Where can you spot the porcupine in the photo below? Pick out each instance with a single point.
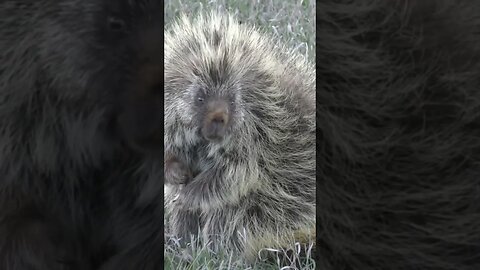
(239, 135)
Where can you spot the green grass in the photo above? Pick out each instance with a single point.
(198, 255)
(293, 23)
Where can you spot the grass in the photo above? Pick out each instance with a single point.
(291, 22)
(199, 256)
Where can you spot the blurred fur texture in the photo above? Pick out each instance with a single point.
(398, 120)
(259, 180)
(70, 97)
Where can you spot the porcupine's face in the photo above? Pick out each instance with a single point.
(213, 71)
(110, 52)
(214, 111)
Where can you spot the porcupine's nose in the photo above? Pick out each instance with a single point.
(216, 120)
(140, 116)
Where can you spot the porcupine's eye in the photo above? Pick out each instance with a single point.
(200, 98)
(231, 100)
(116, 24)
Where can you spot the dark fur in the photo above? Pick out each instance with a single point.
(74, 87)
(136, 233)
(399, 134)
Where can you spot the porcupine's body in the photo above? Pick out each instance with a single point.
(240, 117)
(399, 128)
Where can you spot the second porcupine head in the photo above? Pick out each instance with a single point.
(228, 83)
(98, 53)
